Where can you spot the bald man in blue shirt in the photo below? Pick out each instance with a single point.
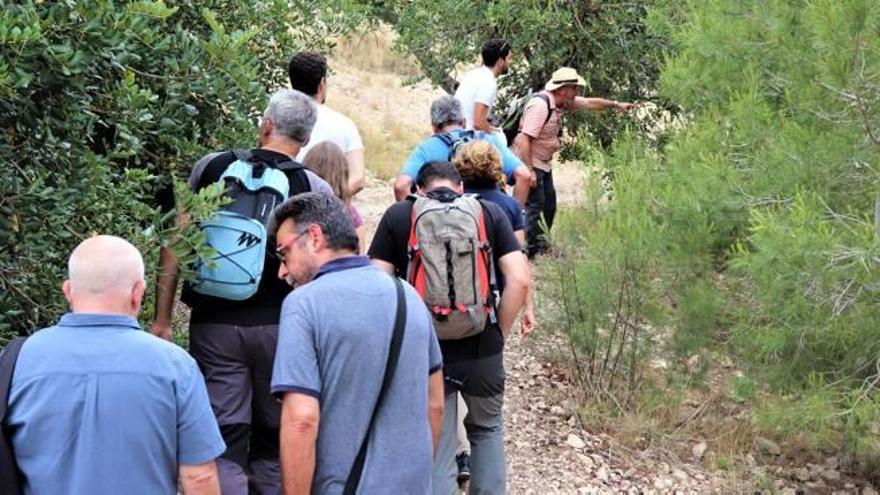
(99, 406)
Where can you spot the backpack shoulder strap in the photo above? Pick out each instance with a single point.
(546, 99)
(243, 155)
(7, 368)
(354, 476)
(10, 481)
(296, 174)
(446, 138)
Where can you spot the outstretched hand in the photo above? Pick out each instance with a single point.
(624, 106)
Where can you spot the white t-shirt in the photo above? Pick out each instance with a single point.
(334, 127)
(477, 86)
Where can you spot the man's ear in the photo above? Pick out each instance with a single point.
(68, 292)
(137, 294)
(460, 188)
(266, 128)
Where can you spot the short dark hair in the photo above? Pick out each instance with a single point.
(493, 50)
(322, 209)
(306, 69)
(437, 170)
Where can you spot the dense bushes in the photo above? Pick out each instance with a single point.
(757, 220)
(102, 103)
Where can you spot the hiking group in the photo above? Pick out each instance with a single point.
(310, 369)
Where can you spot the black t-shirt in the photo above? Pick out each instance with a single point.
(390, 244)
(264, 307)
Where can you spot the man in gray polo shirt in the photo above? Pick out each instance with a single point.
(99, 406)
(333, 344)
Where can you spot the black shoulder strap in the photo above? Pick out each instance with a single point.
(354, 477)
(547, 101)
(446, 138)
(10, 481)
(7, 367)
(296, 174)
(243, 155)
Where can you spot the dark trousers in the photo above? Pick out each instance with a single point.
(237, 364)
(540, 204)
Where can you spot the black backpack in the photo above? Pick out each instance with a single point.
(10, 476)
(512, 120)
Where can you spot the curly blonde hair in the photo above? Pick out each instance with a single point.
(479, 164)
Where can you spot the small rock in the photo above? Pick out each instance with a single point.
(602, 474)
(572, 421)
(557, 411)
(767, 446)
(831, 475)
(586, 461)
(659, 484)
(801, 474)
(869, 490)
(680, 475)
(831, 462)
(659, 364)
(575, 441)
(698, 451)
(693, 363)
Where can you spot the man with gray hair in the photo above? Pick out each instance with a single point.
(233, 339)
(97, 405)
(448, 121)
(358, 366)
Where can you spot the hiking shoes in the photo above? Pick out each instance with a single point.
(464, 467)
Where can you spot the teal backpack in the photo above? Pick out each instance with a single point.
(238, 231)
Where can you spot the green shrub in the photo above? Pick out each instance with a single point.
(102, 104)
(759, 216)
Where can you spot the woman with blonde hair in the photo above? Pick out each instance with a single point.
(479, 164)
(328, 161)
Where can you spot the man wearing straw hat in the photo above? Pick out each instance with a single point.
(539, 138)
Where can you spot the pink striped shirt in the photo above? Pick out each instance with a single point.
(545, 137)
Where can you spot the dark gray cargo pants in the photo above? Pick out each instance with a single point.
(237, 364)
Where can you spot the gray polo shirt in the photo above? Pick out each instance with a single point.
(333, 342)
(99, 406)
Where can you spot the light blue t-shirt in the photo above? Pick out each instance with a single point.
(434, 148)
(99, 406)
(333, 343)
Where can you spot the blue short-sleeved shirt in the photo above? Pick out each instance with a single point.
(333, 342)
(434, 148)
(99, 406)
(511, 207)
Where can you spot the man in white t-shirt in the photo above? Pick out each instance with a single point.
(479, 86)
(308, 73)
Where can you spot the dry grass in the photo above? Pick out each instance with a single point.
(373, 52)
(367, 85)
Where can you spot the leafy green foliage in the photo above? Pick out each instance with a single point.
(102, 104)
(762, 209)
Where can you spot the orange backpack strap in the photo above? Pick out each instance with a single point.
(487, 277)
(415, 272)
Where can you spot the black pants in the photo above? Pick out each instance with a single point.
(540, 204)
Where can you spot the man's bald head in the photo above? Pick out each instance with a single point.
(105, 274)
